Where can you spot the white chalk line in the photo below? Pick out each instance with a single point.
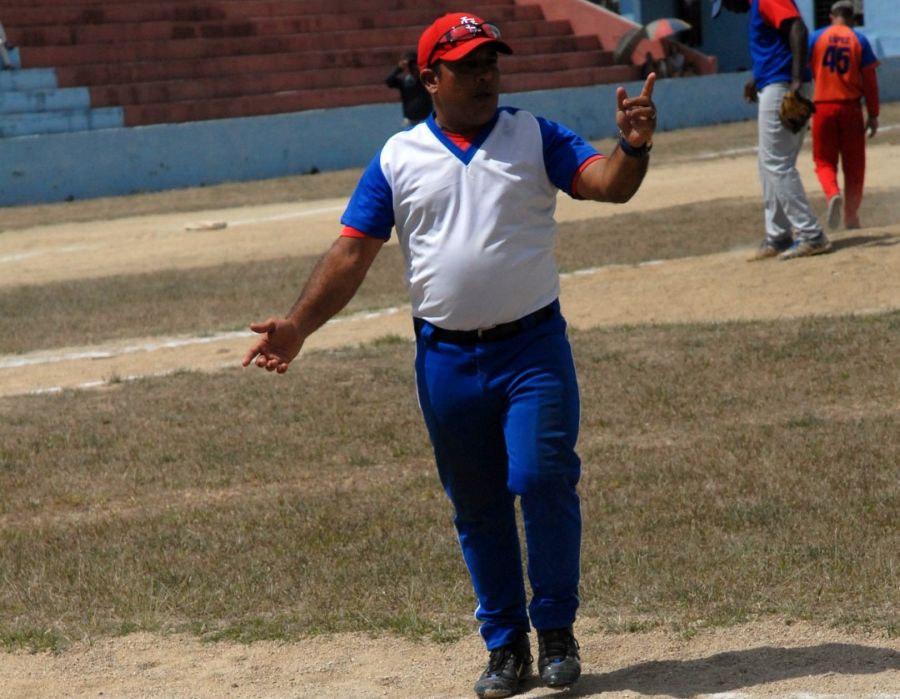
(37, 359)
(730, 152)
(705, 155)
(103, 382)
(18, 257)
(173, 343)
(747, 150)
(286, 216)
(588, 271)
(33, 360)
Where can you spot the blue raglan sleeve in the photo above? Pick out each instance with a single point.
(811, 42)
(564, 152)
(868, 55)
(371, 208)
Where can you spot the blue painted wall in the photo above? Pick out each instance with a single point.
(648, 10)
(726, 36)
(107, 162)
(882, 26)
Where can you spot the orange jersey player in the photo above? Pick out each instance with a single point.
(843, 67)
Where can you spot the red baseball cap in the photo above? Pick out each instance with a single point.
(456, 35)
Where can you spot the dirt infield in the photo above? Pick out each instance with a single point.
(766, 659)
(860, 277)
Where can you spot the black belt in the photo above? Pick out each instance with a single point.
(499, 332)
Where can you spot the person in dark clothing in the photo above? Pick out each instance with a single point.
(5, 60)
(415, 98)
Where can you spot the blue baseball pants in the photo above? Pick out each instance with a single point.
(503, 419)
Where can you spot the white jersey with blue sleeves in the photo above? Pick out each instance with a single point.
(476, 227)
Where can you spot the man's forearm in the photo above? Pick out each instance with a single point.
(333, 282)
(614, 179)
(798, 39)
(626, 174)
(870, 91)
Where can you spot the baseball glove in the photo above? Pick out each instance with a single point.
(795, 110)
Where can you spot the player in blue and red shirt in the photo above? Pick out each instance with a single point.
(471, 194)
(843, 66)
(778, 46)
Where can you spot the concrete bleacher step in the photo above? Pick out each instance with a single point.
(20, 19)
(535, 49)
(186, 60)
(263, 7)
(560, 61)
(50, 99)
(569, 70)
(551, 80)
(252, 105)
(333, 66)
(97, 74)
(32, 103)
(46, 33)
(60, 35)
(80, 21)
(253, 82)
(321, 98)
(63, 121)
(78, 54)
(28, 79)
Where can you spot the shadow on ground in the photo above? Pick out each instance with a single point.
(738, 670)
(871, 240)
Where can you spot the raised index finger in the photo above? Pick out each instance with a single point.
(647, 90)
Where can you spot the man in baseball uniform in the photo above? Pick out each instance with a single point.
(843, 66)
(471, 193)
(778, 47)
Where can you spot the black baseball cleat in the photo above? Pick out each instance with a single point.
(558, 658)
(508, 666)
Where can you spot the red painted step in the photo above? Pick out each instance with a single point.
(84, 13)
(186, 60)
(370, 7)
(301, 100)
(339, 62)
(295, 101)
(320, 26)
(48, 56)
(515, 73)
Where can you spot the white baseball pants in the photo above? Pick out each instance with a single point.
(787, 210)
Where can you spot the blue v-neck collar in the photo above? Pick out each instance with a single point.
(464, 155)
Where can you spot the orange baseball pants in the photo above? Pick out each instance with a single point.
(839, 133)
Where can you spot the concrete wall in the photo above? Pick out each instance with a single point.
(882, 26)
(107, 162)
(88, 164)
(726, 36)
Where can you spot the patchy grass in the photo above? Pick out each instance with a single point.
(731, 471)
(227, 297)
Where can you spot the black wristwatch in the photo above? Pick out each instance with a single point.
(634, 151)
